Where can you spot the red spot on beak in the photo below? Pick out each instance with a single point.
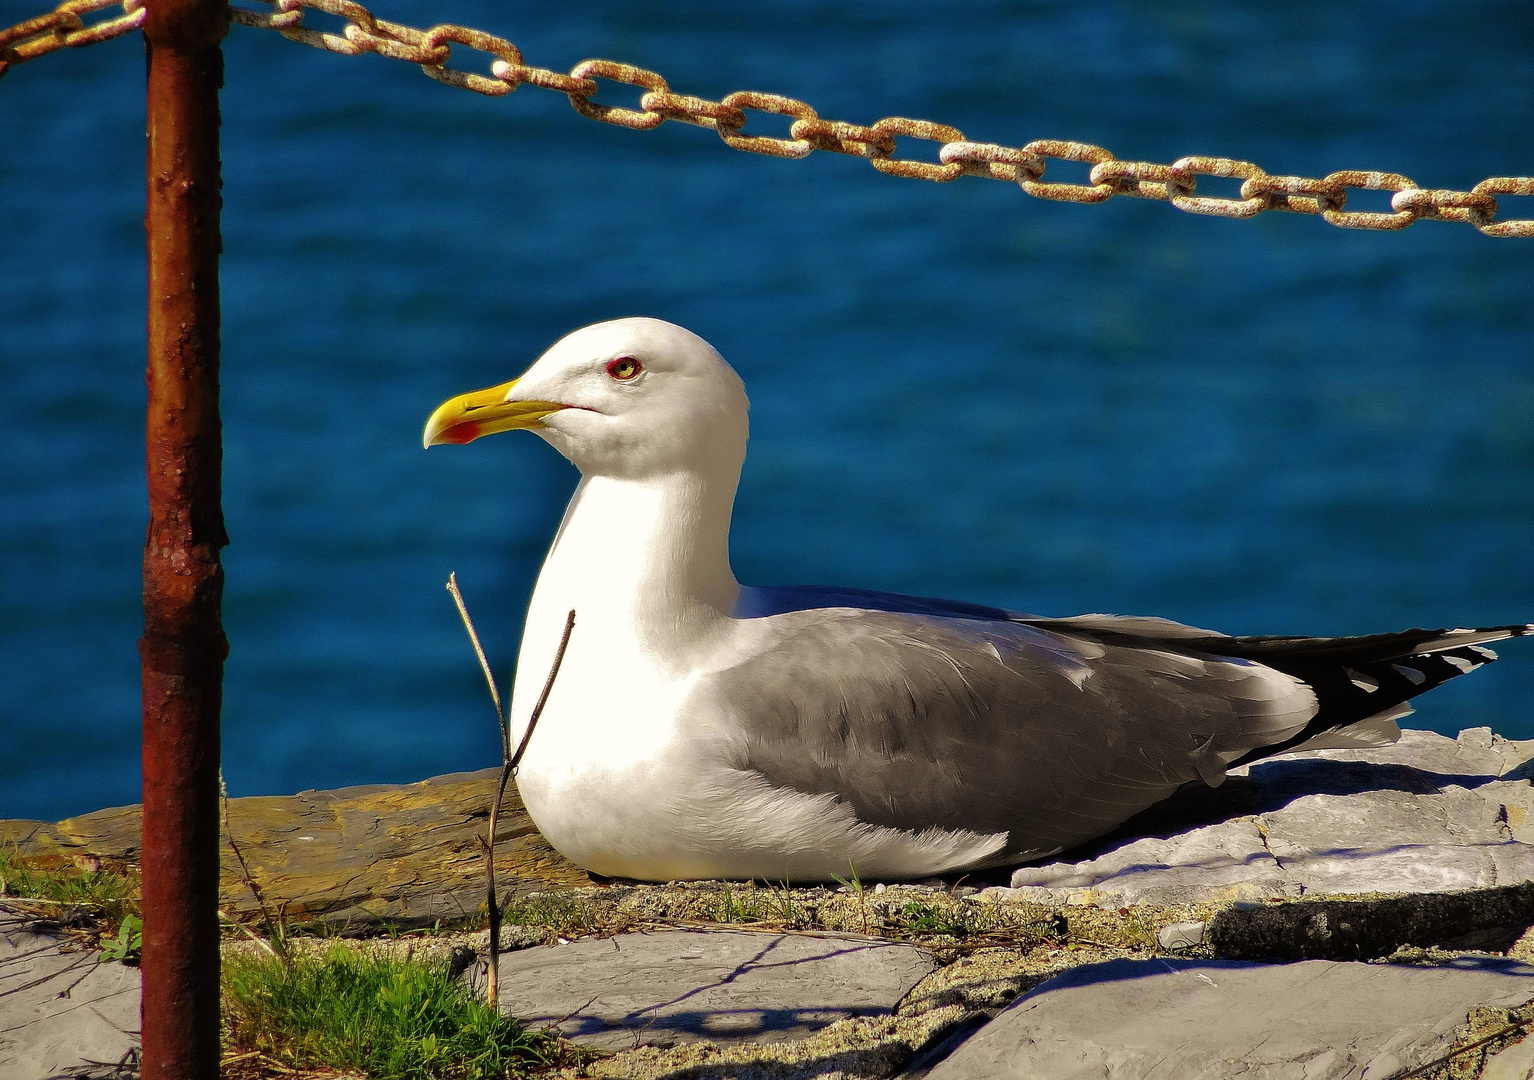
(459, 434)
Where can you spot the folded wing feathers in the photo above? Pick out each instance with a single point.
(1053, 729)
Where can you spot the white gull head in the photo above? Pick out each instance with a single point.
(634, 399)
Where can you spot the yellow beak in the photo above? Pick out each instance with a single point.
(468, 416)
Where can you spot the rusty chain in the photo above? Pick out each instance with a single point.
(1024, 166)
(62, 28)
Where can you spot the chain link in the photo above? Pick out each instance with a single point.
(1025, 166)
(63, 28)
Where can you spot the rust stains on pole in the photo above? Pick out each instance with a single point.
(183, 648)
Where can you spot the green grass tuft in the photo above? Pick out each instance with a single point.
(938, 919)
(389, 1019)
(557, 911)
(969, 919)
(743, 905)
(110, 894)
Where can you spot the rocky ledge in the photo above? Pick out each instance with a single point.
(357, 858)
(1395, 886)
(1429, 814)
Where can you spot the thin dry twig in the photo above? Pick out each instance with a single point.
(508, 770)
(552, 1027)
(509, 762)
(484, 664)
(275, 928)
(247, 931)
(543, 697)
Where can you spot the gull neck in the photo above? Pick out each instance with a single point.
(652, 554)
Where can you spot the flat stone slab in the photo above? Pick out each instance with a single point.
(1429, 814)
(62, 1012)
(724, 987)
(404, 854)
(1212, 1019)
(1514, 1063)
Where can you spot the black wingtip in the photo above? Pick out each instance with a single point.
(1355, 679)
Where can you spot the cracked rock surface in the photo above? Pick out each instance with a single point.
(405, 855)
(1317, 1020)
(721, 986)
(1429, 814)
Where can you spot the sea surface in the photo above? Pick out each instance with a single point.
(1263, 426)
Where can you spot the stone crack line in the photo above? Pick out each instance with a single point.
(1262, 831)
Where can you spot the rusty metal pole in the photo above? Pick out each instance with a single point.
(183, 648)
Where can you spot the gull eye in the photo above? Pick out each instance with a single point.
(624, 368)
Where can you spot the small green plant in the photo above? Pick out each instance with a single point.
(128, 946)
(389, 1019)
(1138, 932)
(786, 910)
(738, 907)
(108, 893)
(935, 919)
(855, 885)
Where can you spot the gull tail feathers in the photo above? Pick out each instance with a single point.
(1363, 684)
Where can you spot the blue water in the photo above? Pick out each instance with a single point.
(1264, 426)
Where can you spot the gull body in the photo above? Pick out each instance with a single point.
(698, 728)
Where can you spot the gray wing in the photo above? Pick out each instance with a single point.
(922, 721)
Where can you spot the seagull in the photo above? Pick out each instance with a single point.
(699, 728)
